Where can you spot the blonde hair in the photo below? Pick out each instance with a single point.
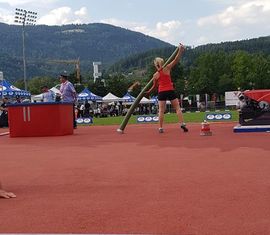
(158, 62)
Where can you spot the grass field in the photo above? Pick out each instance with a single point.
(169, 118)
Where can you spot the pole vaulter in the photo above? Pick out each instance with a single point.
(140, 96)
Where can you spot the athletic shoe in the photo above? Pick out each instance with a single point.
(160, 130)
(184, 128)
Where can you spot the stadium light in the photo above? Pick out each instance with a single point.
(24, 17)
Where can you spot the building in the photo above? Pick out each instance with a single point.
(97, 70)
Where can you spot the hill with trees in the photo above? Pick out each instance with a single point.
(211, 68)
(89, 42)
(142, 60)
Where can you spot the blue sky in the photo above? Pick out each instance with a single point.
(192, 22)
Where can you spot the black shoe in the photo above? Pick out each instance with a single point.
(184, 128)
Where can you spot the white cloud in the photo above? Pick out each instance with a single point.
(121, 23)
(64, 15)
(167, 31)
(246, 19)
(81, 12)
(6, 16)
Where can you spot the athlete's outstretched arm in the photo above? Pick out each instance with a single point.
(177, 57)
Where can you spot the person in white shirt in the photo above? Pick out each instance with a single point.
(47, 95)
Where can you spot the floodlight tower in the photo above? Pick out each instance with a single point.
(24, 17)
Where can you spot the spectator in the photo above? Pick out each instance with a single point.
(125, 110)
(18, 100)
(76, 112)
(117, 109)
(79, 113)
(82, 108)
(87, 109)
(47, 95)
(98, 112)
(4, 114)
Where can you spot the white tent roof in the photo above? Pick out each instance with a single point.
(111, 98)
(145, 101)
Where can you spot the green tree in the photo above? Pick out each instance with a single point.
(177, 75)
(242, 70)
(225, 83)
(19, 84)
(211, 73)
(118, 85)
(35, 84)
(260, 78)
(98, 87)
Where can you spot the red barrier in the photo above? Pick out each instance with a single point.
(40, 119)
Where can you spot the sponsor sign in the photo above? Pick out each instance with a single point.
(84, 121)
(147, 119)
(218, 116)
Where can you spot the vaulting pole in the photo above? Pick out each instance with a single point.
(140, 96)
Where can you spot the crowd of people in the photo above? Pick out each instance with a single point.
(90, 109)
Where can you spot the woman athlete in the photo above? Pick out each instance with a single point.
(162, 80)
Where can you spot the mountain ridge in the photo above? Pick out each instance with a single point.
(89, 42)
(141, 61)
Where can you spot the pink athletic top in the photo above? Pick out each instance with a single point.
(164, 82)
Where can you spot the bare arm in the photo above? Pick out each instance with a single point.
(155, 83)
(177, 57)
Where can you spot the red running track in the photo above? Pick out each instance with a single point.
(98, 181)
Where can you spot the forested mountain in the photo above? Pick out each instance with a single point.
(141, 61)
(89, 42)
(209, 69)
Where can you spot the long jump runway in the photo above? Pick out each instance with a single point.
(142, 182)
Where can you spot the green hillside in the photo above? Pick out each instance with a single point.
(142, 60)
(89, 42)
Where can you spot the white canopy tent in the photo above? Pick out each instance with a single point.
(146, 101)
(111, 98)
